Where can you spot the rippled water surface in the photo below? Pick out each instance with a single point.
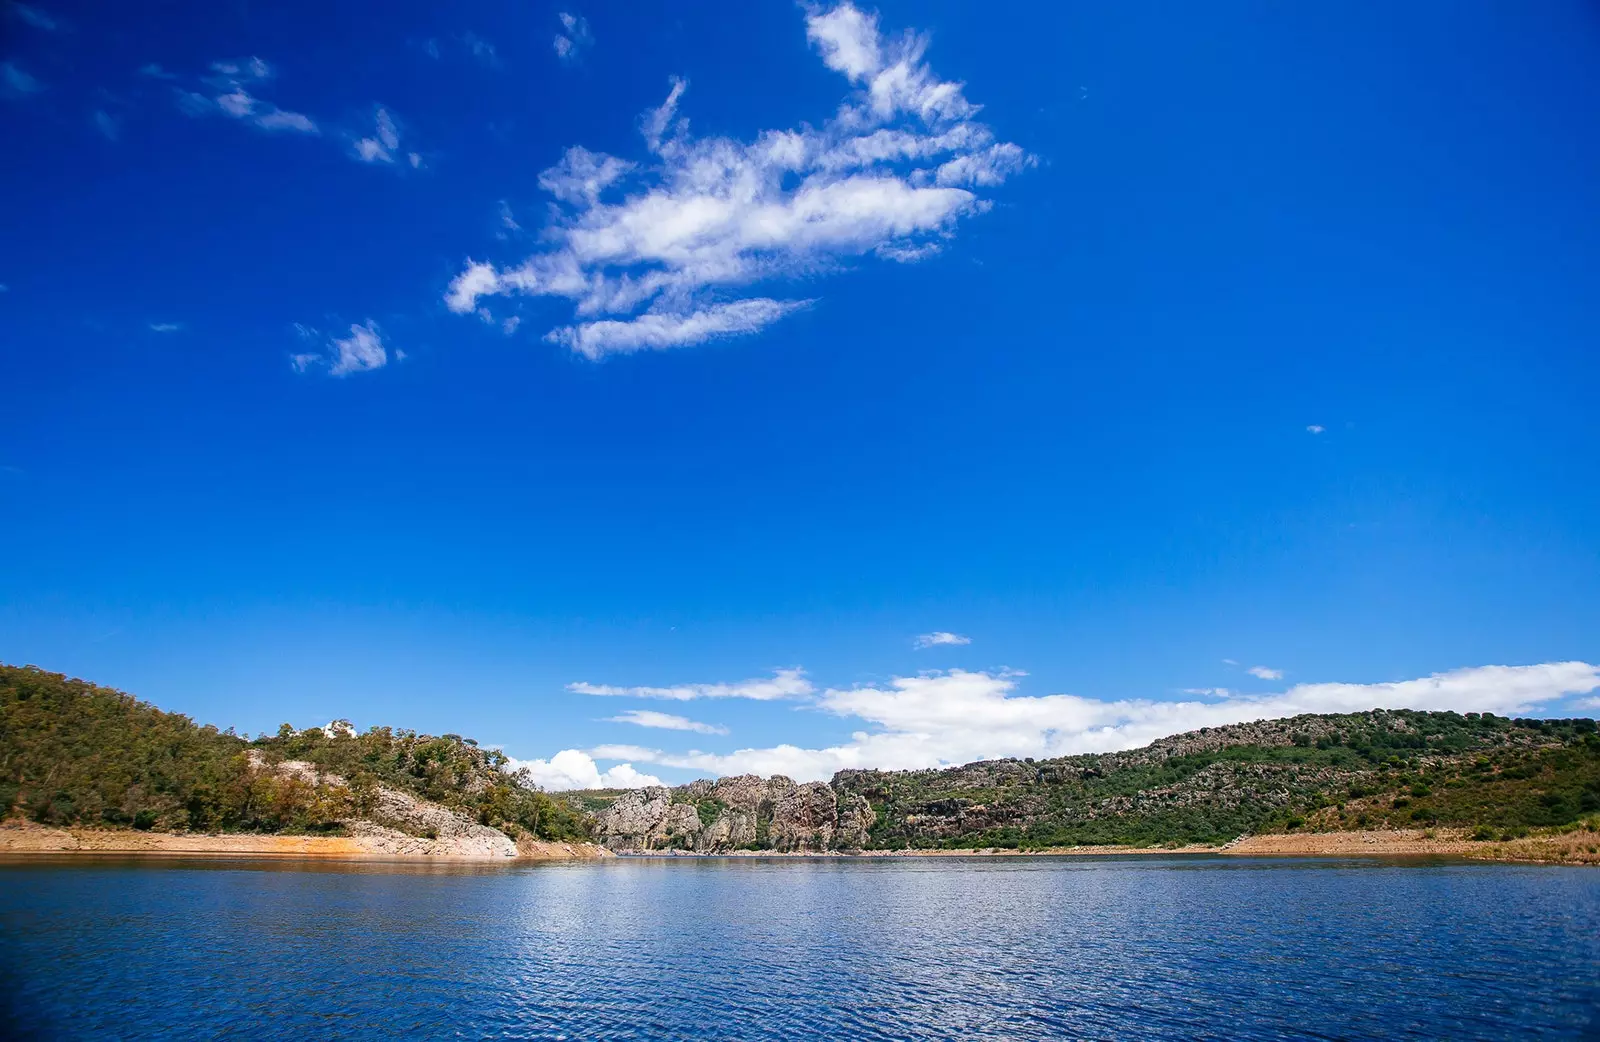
(801, 949)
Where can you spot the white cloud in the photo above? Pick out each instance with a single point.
(574, 37)
(646, 253)
(384, 142)
(107, 124)
(574, 769)
(784, 683)
(665, 721)
(1265, 672)
(938, 637)
(955, 717)
(658, 331)
(17, 81)
(1315, 428)
(165, 327)
(228, 91)
(362, 351)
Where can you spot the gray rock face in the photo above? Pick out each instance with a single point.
(804, 818)
(744, 811)
(634, 819)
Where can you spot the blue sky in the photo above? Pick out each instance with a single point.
(445, 367)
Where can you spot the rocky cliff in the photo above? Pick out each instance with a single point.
(740, 813)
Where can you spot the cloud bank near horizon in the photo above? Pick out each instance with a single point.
(945, 718)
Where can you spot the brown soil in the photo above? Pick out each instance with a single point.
(35, 839)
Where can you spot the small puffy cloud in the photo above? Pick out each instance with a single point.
(574, 769)
(362, 351)
(17, 81)
(165, 327)
(1265, 673)
(384, 142)
(784, 683)
(664, 721)
(657, 255)
(938, 638)
(1315, 428)
(1588, 703)
(574, 37)
(943, 718)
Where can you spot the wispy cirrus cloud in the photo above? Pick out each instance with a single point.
(784, 683)
(166, 327)
(939, 638)
(942, 718)
(228, 90)
(108, 125)
(35, 17)
(665, 722)
(647, 253)
(574, 37)
(16, 81)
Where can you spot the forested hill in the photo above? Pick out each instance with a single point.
(73, 753)
(1376, 769)
(1380, 769)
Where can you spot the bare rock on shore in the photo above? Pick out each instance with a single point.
(736, 813)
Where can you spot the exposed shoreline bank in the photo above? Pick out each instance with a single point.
(35, 839)
(1581, 847)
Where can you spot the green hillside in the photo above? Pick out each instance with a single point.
(1361, 770)
(73, 753)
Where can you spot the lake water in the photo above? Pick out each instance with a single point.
(999, 948)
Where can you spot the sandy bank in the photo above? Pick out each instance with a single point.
(1580, 847)
(33, 839)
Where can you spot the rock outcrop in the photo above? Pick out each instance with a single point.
(400, 823)
(744, 812)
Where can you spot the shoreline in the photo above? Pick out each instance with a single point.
(1578, 847)
(38, 839)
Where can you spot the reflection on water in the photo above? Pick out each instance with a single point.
(740, 948)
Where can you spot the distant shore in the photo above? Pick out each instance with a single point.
(1579, 847)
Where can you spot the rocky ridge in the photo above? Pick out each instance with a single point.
(744, 812)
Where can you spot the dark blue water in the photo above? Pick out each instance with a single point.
(1162, 948)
